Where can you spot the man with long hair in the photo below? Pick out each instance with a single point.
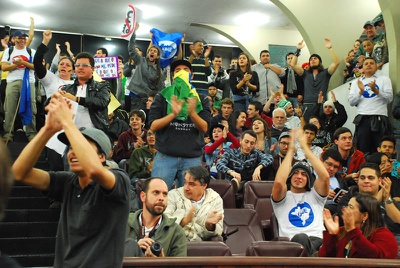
(317, 78)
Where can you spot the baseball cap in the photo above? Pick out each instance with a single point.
(284, 134)
(368, 22)
(176, 63)
(93, 134)
(19, 33)
(379, 18)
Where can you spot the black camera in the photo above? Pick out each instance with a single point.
(156, 248)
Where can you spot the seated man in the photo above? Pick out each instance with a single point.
(150, 225)
(352, 158)
(141, 161)
(244, 163)
(299, 210)
(283, 147)
(197, 209)
(331, 159)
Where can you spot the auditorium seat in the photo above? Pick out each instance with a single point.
(276, 249)
(248, 224)
(257, 195)
(225, 190)
(207, 248)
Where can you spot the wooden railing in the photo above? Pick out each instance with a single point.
(228, 262)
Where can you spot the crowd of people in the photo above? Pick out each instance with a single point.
(244, 123)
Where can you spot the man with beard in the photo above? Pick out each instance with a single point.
(148, 75)
(149, 225)
(317, 78)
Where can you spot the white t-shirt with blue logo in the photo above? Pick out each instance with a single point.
(300, 213)
(370, 103)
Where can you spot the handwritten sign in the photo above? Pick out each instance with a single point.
(106, 67)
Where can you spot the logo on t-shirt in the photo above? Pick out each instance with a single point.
(301, 215)
(368, 93)
(22, 57)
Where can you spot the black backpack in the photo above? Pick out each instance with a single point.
(11, 49)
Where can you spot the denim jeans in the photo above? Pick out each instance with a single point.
(171, 168)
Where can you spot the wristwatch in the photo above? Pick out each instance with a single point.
(389, 201)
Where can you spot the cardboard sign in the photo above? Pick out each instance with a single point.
(106, 67)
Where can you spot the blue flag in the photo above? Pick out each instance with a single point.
(168, 43)
(25, 106)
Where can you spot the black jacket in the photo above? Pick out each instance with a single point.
(97, 100)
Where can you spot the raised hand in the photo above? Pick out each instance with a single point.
(333, 96)
(320, 97)
(331, 224)
(328, 43)
(207, 51)
(348, 219)
(300, 44)
(47, 35)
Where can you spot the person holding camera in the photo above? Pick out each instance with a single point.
(150, 232)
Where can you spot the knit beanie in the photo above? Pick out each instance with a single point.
(330, 103)
(284, 104)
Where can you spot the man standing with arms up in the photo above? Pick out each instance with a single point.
(95, 199)
(317, 78)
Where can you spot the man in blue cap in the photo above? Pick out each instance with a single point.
(95, 199)
(17, 61)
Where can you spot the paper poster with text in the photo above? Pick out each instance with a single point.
(133, 15)
(106, 67)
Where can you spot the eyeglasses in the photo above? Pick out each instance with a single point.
(77, 65)
(284, 143)
(331, 165)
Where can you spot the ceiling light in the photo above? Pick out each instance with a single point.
(149, 11)
(252, 19)
(31, 3)
(22, 19)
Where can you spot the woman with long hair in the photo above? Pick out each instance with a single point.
(265, 143)
(244, 83)
(363, 235)
(237, 122)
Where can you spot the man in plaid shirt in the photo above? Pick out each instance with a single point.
(244, 163)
